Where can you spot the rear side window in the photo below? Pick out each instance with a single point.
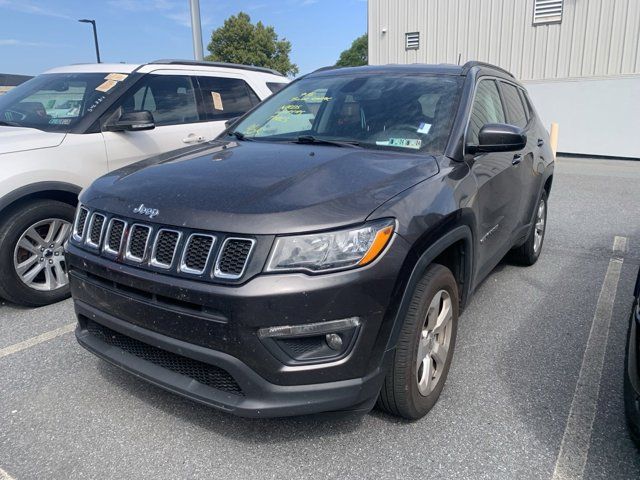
(275, 87)
(226, 98)
(487, 108)
(170, 98)
(515, 108)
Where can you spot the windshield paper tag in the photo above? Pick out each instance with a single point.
(217, 101)
(424, 128)
(118, 77)
(106, 86)
(414, 143)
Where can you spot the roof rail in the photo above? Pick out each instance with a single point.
(474, 63)
(216, 64)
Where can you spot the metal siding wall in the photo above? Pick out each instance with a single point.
(595, 38)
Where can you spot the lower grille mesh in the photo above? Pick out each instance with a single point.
(201, 372)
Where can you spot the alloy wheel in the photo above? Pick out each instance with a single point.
(434, 342)
(541, 219)
(38, 257)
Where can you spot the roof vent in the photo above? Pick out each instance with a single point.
(412, 40)
(547, 11)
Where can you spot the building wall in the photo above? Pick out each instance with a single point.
(595, 37)
(597, 116)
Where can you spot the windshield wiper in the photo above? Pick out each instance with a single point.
(321, 141)
(5, 123)
(240, 136)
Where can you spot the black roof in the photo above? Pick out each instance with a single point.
(216, 64)
(441, 68)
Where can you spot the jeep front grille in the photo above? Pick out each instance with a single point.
(138, 241)
(176, 251)
(81, 220)
(233, 257)
(164, 248)
(196, 254)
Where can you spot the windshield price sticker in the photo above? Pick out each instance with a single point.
(118, 77)
(217, 101)
(106, 86)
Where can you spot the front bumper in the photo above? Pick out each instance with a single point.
(216, 327)
(632, 374)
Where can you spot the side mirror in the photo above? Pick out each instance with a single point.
(132, 122)
(499, 137)
(230, 122)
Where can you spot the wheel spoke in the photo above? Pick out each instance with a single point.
(433, 311)
(28, 246)
(54, 225)
(439, 354)
(61, 275)
(35, 236)
(424, 380)
(63, 233)
(422, 352)
(444, 318)
(31, 274)
(22, 268)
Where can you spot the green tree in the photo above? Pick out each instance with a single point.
(240, 41)
(357, 54)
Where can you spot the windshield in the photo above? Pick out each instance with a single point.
(406, 112)
(54, 102)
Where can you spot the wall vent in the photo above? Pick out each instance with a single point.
(412, 40)
(547, 11)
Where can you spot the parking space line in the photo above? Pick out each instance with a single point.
(30, 342)
(5, 476)
(574, 448)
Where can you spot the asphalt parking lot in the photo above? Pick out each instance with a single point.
(503, 414)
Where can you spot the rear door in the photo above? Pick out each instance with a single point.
(173, 99)
(519, 116)
(224, 98)
(498, 199)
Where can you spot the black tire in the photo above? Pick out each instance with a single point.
(527, 254)
(12, 288)
(400, 394)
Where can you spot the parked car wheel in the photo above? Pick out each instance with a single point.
(425, 347)
(529, 252)
(33, 271)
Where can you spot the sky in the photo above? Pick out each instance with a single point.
(39, 34)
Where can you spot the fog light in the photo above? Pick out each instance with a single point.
(334, 341)
(311, 342)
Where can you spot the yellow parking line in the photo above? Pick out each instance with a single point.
(5, 476)
(35, 341)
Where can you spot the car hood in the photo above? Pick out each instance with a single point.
(19, 139)
(259, 187)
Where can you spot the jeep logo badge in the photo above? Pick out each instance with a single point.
(149, 212)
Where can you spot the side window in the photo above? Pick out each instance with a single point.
(515, 108)
(226, 97)
(275, 87)
(526, 103)
(487, 108)
(170, 98)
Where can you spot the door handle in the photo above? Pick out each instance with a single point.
(517, 158)
(193, 138)
(540, 142)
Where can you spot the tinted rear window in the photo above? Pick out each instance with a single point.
(275, 87)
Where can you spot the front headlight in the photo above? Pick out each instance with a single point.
(327, 251)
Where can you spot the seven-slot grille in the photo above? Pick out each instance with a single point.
(138, 241)
(95, 230)
(81, 221)
(196, 254)
(233, 257)
(167, 248)
(115, 233)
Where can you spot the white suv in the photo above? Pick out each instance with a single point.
(70, 125)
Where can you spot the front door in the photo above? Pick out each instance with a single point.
(498, 201)
(173, 102)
